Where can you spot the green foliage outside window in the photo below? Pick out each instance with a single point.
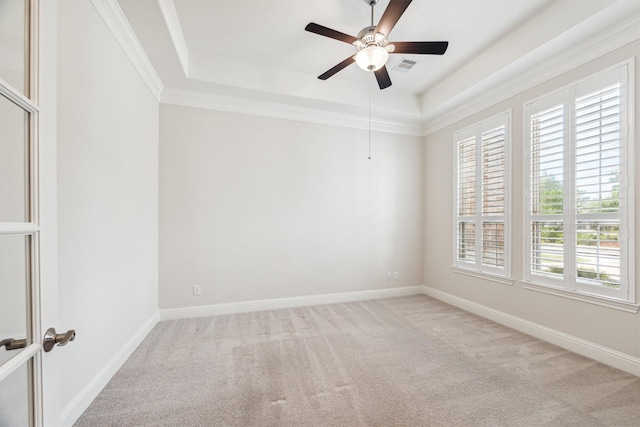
(551, 202)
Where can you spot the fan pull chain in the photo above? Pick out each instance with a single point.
(369, 122)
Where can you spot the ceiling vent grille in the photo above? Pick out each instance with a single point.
(405, 65)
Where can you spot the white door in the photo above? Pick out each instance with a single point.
(28, 283)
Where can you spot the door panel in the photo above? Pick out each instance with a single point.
(21, 371)
(15, 283)
(14, 172)
(15, 398)
(13, 44)
(29, 380)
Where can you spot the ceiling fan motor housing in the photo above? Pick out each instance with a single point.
(368, 36)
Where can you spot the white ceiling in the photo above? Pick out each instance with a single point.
(258, 49)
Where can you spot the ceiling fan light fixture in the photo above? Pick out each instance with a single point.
(372, 58)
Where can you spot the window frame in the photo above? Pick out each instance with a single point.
(478, 268)
(569, 284)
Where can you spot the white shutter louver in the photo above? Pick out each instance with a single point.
(597, 181)
(466, 178)
(546, 191)
(481, 196)
(493, 196)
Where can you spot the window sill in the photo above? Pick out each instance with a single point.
(485, 276)
(601, 301)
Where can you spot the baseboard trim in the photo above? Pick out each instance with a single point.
(577, 345)
(74, 409)
(277, 303)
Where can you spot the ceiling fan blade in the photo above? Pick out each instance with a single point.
(344, 64)
(390, 17)
(382, 75)
(328, 32)
(424, 48)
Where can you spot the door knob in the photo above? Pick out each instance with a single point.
(51, 338)
(12, 344)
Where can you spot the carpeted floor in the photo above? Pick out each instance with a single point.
(411, 361)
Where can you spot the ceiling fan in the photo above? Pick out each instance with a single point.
(373, 46)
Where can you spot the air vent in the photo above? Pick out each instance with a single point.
(405, 65)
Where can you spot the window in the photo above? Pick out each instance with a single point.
(482, 188)
(578, 208)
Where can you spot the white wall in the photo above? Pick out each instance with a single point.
(108, 197)
(255, 208)
(606, 327)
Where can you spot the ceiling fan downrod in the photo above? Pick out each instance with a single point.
(368, 36)
(371, 3)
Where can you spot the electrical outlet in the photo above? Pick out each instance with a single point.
(388, 276)
(396, 275)
(196, 290)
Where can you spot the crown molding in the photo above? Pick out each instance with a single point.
(507, 82)
(496, 89)
(172, 21)
(209, 101)
(117, 22)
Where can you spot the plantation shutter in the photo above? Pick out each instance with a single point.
(481, 196)
(578, 206)
(493, 196)
(546, 192)
(466, 197)
(597, 182)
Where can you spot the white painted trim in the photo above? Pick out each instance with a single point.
(577, 296)
(172, 21)
(630, 144)
(482, 275)
(19, 228)
(19, 360)
(497, 88)
(17, 97)
(74, 409)
(119, 26)
(278, 303)
(209, 101)
(577, 345)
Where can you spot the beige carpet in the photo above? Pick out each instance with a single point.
(410, 361)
